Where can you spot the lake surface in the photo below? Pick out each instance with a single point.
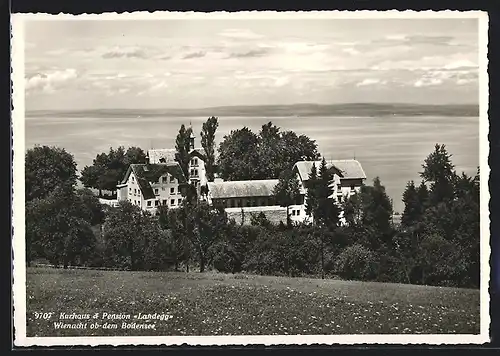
(392, 148)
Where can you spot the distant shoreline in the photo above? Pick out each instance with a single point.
(297, 110)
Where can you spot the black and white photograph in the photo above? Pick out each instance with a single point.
(250, 178)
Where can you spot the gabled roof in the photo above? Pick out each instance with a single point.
(242, 189)
(346, 169)
(151, 173)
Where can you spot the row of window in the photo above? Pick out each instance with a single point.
(164, 202)
(149, 203)
(295, 212)
(239, 203)
(194, 161)
(172, 191)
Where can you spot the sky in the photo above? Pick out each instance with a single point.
(187, 63)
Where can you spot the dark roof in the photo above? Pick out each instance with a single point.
(242, 189)
(347, 169)
(151, 173)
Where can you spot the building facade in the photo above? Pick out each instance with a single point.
(197, 170)
(348, 177)
(242, 199)
(151, 185)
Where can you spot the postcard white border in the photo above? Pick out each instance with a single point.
(19, 272)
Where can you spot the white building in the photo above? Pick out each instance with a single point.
(197, 171)
(242, 199)
(348, 177)
(151, 185)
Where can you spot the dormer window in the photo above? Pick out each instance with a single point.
(164, 179)
(172, 179)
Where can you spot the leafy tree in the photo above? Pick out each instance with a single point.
(91, 203)
(244, 155)
(210, 224)
(134, 155)
(287, 191)
(47, 168)
(208, 143)
(238, 157)
(58, 228)
(183, 147)
(356, 262)
(109, 168)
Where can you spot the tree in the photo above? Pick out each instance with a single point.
(208, 143)
(238, 156)
(311, 196)
(210, 224)
(134, 155)
(287, 191)
(244, 155)
(109, 168)
(47, 168)
(183, 147)
(327, 211)
(58, 228)
(439, 171)
(411, 213)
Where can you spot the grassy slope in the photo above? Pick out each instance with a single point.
(218, 304)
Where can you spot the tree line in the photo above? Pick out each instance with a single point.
(437, 242)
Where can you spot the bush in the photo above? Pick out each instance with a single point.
(356, 262)
(224, 258)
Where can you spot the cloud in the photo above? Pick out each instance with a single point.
(416, 39)
(426, 82)
(250, 54)
(50, 81)
(460, 64)
(124, 52)
(240, 34)
(199, 54)
(369, 81)
(432, 40)
(351, 51)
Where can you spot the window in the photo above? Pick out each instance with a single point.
(352, 187)
(130, 190)
(172, 179)
(172, 190)
(133, 179)
(164, 179)
(179, 201)
(172, 201)
(163, 189)
(298, 212)
(164, 201)
(135, 191)
(157, 191)
(178, 190)
(149, 203)
(293, 212)
(157, 202)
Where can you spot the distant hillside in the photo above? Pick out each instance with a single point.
(355, 109)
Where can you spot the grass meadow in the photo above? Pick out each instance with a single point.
(225, 304)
